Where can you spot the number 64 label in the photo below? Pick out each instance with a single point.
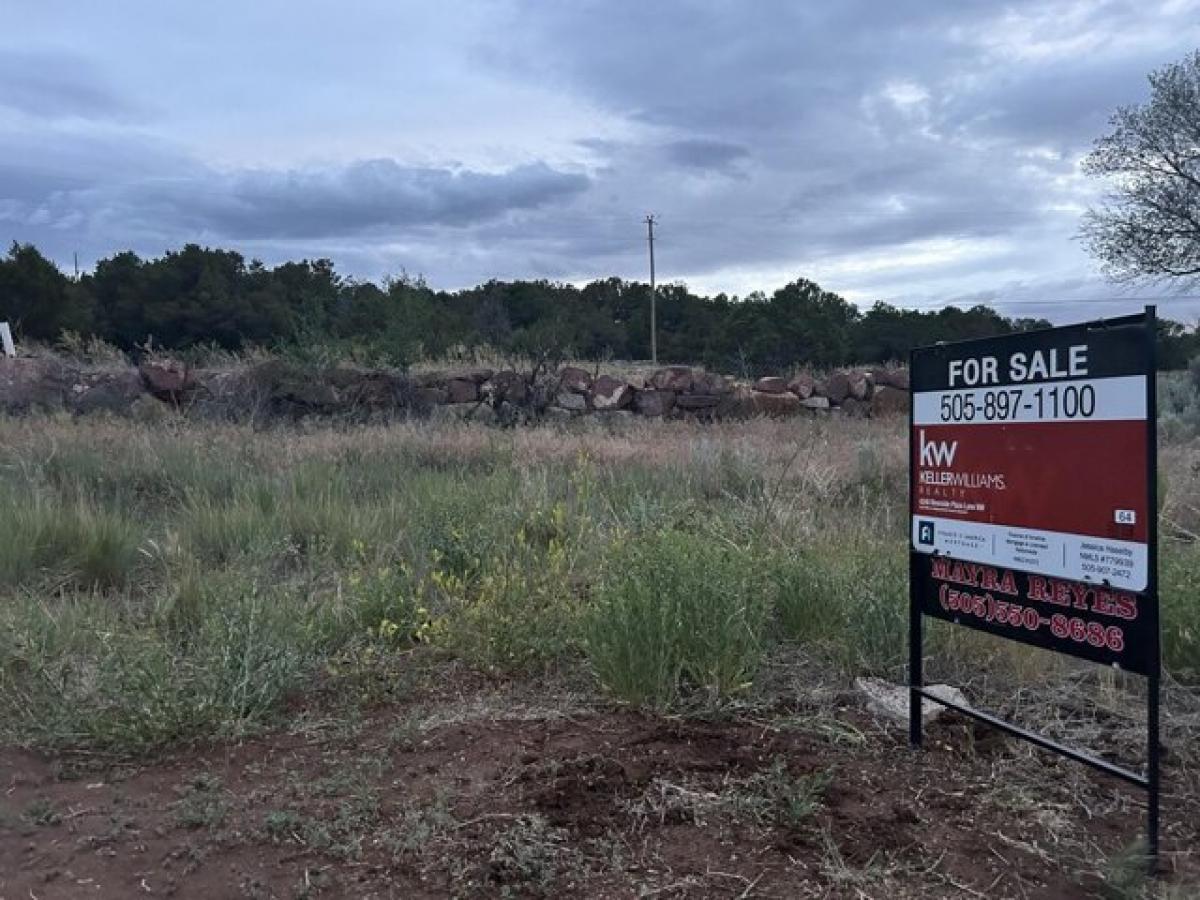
(1125, 517)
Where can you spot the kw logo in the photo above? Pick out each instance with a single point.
(937, 453)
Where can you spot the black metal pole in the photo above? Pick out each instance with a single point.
(1152, 684)
(915, 674)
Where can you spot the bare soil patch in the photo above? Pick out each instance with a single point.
(469, 788)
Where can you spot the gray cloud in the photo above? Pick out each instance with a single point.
(363, 196)
(52, 85)
(906, 151)
(705, 153)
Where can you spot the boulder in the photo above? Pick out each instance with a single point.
(815, 403)
(861, 385)
(802, 386)
(672, 378)
(775, 405)
(890, 701)
(772, 384)
(506, 386)
(696, 401)
(836, 387)
(426, 397)
(571, 401)
(654, 403)
(710, 383)
(167, 379)
(894, 378)
(889, 401)
(371, 388)
(461, 390)
(574, 380)
(112, 392)
(610, 393)
(31, 382)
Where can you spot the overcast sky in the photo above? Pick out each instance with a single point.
(911, 151)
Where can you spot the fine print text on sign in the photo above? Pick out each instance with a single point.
(1030, 496)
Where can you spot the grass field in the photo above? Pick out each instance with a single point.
(184, 587)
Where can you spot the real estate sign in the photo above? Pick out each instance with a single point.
(1033, 503)
(1032, 488)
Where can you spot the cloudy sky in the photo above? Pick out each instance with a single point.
(911, 151)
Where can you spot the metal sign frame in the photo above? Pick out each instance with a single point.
(1149, 663)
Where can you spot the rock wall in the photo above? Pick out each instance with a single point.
(284, 390)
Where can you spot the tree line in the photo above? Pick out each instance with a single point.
(201, 297)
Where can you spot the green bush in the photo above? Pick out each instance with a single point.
(677, 610)
(71, 541)
(1179, 593)
(849, 598)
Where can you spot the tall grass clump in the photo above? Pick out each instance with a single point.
(1179, 594)
(70, 541)
(677, 611)
(85, 670)
(848, 599)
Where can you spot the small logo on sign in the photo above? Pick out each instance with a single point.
(925, 533)
(1125, 517)
(937, 453)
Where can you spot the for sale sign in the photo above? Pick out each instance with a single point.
(1032, 488)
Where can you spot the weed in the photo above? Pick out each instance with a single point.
(677, 610)
(41, 811)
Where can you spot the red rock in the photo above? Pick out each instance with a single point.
(802, 386)
(461, 390)
(772, 384)
(860, 384)
(610, 393)
(654, 403)
(836, 387)
(575, 380)
(672, 378)
(696, 401)
(710, 383)
(775, 405)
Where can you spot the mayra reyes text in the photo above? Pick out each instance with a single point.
(1020, 366)
(1076, 595)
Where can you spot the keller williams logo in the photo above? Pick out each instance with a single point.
(937, 453)
(940, 455)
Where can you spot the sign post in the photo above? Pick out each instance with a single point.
(1033, 504)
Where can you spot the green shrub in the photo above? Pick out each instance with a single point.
(848, 598)
(86, 673)
(1179, 593)
(677, 610)
(68, 540)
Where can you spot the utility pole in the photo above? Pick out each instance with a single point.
(653, 293)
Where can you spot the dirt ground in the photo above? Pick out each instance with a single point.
(468, 787)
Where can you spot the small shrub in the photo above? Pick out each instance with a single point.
(678, 610)
(71, 540)
(849, 598)
(1180, 611)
